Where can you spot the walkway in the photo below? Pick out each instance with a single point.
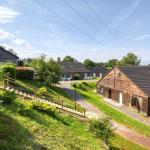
(93, 112)
(128, 111)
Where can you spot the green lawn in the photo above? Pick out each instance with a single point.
(40, 131)
(119, 143)
(86, 90)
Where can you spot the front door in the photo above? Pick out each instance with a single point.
(120, 98)
(109, 93)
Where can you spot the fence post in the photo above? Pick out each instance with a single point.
(84, 112)
(62, 104)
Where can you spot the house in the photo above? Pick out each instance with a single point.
(72, 70)
(6, 56)
(98, 71)
(128, 86)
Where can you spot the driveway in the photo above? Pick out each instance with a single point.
(93, 112)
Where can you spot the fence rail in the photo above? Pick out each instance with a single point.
(15, 85)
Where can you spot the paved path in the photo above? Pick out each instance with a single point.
(93, 112)
(128, 111)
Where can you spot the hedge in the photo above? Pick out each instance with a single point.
(8, 70)
(25, 73)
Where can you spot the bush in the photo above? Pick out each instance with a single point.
(41, 92)
(76, 77)
(7, 97)
(25, 109)
(25, 73)
(45, 108)
(8, 70)
(102, 128)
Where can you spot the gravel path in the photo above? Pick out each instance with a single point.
(93, 112)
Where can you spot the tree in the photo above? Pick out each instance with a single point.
(130, 60)
(89, 63)
(46, 71)
(39, 64)
(58, 59)
(69, 59)
(112, 63)
(53, 72)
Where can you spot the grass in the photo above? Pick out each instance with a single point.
(40, 131)
(119, 143)
(86, 90)
(31, 128)
(54, 94)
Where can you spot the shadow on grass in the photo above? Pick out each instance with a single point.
(34, 114)
(13, 135)
(113, 148)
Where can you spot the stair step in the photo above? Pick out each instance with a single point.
(43, 101)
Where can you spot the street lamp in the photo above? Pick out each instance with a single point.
(75, 96)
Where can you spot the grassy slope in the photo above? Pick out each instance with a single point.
(116, 115)
(53, 91)
(42, 131)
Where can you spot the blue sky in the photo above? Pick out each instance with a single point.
(95, 29)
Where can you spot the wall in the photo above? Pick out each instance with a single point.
(118, 82)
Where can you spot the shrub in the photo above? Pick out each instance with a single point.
(8, 70)
(25, 73)
(25, 108)
(45, 108)
(102, 128)
(41, 92)
(7, 97)
(76, 77)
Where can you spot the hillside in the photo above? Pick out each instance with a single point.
(24, 127)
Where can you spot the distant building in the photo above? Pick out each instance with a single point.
(72, 70)
(6, 56)
(98, 71)
(128, 86)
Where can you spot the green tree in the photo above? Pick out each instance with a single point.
(130, 60)
(89, 63)
(53, 72)
(46, 71)
(112, 63)
(40, 66)
(69, 59)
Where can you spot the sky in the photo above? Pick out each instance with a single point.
(96, 29)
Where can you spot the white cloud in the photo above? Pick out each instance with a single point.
(21, 46)
(7, 14)
(141, 37)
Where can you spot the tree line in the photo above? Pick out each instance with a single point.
(129, 60)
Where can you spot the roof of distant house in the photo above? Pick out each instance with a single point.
(73, 67)
(9, 53)
(98, 67)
